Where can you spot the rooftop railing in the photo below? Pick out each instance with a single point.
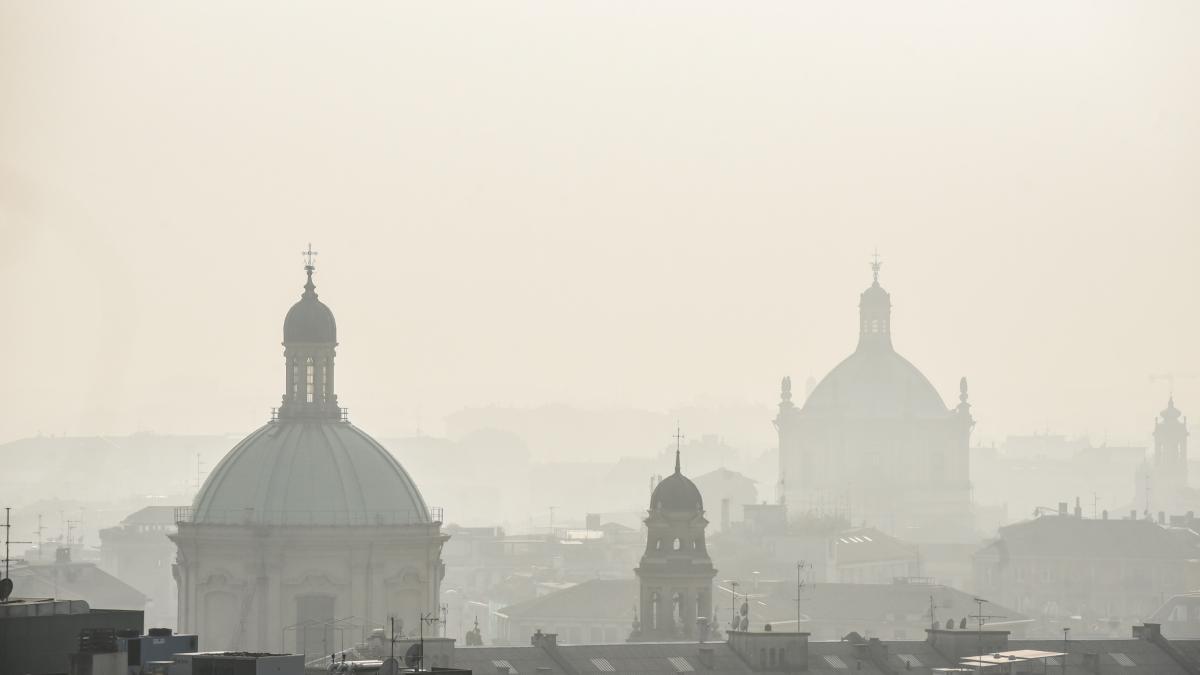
(315, 518)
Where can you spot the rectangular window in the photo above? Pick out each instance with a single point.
(309, 382)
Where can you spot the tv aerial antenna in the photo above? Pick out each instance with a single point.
(417, 660)
(6, 584)
(982, 618)
(800, 565)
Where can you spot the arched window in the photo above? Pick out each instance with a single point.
(762, 657)
(658, 544)
(309, 382)
(772, 656)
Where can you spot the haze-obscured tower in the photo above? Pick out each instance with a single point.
(675, 575)
(1170, 472)
(874, 441)
(308, 524)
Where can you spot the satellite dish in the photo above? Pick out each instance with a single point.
(390, 667)
(6, 588)
(413, 656)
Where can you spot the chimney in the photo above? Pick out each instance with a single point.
(725, 514)
(1078, 509)
(544, 640)
(706, 658)
(1062, 508)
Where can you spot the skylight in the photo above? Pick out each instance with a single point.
(1121, 659)
(836, 662)
(681, 664)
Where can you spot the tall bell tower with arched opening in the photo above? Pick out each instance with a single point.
(675, 574)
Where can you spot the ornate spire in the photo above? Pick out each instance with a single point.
(875, 265)
(678, 440)
(310, 289)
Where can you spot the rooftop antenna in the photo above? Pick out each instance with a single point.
(6, 586)
(1066, 643)
(799, 585)
(40, 529)
(981, 618)
(199, 471)
(430, 618)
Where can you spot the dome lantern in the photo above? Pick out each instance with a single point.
(875, 313)
(309, 341)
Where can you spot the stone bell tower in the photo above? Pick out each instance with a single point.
(675, 574)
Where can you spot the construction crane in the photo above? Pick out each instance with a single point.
(1170, 378)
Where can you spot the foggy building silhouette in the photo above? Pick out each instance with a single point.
(874, 441)
(675, 574)
(1161, 483)
(1170, 451)
(307, 526)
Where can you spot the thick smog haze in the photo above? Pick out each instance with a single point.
(599, 337)
(605, 206)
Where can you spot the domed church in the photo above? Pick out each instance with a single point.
(308, 527)
(875, 443)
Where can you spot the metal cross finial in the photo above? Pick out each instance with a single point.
(308, 256)
(678, 441)
(876, 264)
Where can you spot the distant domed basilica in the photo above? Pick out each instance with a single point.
(308, 525)
(875, 443)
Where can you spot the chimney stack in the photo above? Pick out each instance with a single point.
(1062, 508)
(1078, 509)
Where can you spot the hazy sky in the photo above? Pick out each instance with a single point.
(605, 204)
